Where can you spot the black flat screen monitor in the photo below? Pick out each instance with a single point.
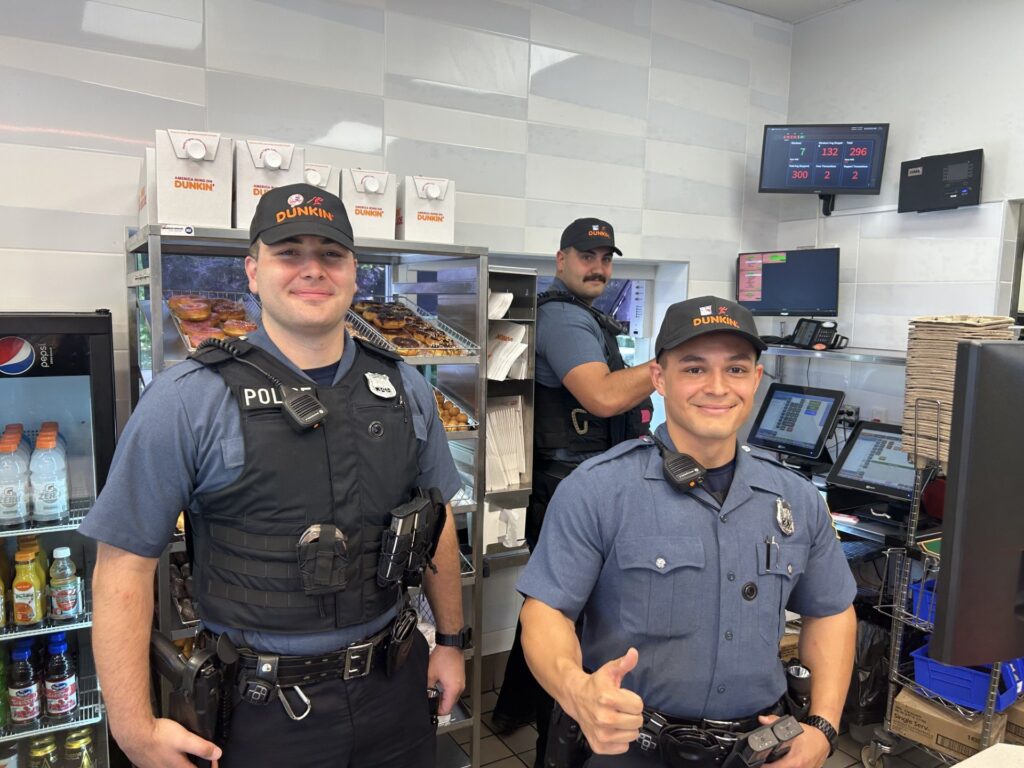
(823, 159)
(801, 282)
(872, 461)
(980, 599)
(796, 420)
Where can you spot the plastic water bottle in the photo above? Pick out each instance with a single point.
(49, 481)
(54, 428)
(13, 486)
(61, 680)
(65, 586)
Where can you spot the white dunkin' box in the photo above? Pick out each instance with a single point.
(369, 198)
(426, 210)
(260, 166)
(192, 180)
(323, 176)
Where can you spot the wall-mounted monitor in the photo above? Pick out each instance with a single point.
(823, 159)
(803, 282)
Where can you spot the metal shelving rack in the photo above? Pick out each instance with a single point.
(893, 603)
(462, 303)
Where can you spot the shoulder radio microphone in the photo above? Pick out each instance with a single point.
(682, 472)
(301, 410)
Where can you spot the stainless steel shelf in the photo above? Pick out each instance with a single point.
(510, 498)
(850, 355)
(49, 626)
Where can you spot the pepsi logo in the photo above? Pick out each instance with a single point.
(16, 355)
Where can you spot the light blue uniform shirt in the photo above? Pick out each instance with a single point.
(185, 440)
(567, 336)
(640, 564)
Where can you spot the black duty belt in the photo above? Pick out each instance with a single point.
(356, 660)
(741, 725)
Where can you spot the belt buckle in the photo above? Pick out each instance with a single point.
(358, 661)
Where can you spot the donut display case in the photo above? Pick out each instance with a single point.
(212, 315)
(400, 325)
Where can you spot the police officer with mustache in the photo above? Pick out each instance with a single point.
(587, 401)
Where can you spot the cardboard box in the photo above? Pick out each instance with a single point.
(426, 210)
(1015, 723)
(192, 183)
(937, 728)
(323, 176)
(259, 167)
(789, 646)
(369, 198)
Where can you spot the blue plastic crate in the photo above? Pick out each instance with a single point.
(922, 600)
(967, 686)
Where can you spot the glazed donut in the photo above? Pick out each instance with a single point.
(405, 342)
(175, 301)
(390, 322)
(197, 338)
(228, 310)
(361, 305)
(238, 327)
(193, 310)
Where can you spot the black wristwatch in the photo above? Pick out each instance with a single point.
(823, 725)
(460, 640)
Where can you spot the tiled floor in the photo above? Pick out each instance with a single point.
(517, 749)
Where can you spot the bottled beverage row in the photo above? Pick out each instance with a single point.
(39, 589)
(43, 752)
(33, 479)
(42, 683)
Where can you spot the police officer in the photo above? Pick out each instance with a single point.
(679, 593)
(286, 522)
(586, 401)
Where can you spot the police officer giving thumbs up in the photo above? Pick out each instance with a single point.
(314, 471)
(656, 597)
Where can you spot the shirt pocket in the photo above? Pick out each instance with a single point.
(776, 580)
(661, 585)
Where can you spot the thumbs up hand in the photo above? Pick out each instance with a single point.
(609, 715)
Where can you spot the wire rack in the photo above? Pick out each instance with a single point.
(90, 710)
(895, 594)
(470, 424)
(372, 334)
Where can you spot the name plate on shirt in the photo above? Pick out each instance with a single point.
(261, 398)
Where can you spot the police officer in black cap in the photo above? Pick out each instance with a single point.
(656, 598)
(586, 401)
(295, 453)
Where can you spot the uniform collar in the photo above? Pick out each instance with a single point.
(260, 339)
(751, 474)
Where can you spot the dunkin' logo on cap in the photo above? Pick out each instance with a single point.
(715, 320)
(311, 209)
(598, 232)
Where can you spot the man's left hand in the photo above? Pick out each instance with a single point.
(447, 666)
(808, 750)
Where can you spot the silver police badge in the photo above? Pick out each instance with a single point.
(380, 385)
(784, 517)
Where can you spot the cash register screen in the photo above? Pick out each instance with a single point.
(796, 420)
(873, 461)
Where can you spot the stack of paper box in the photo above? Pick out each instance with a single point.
(931, 372)
(506, 451)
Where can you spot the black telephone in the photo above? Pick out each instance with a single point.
(818, 334)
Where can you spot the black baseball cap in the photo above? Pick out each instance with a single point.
(688, 319)
(587, 234)
(300, 209)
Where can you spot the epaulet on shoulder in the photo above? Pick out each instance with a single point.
(373, 349)
(769, 459)
(629, 446)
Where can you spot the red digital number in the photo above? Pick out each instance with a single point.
(828, 175)
(856, 175)
(798, 174)
(858, 151)
(830, 151)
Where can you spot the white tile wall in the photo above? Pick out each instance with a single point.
(645, 112)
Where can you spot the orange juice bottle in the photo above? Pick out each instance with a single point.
(27, 590)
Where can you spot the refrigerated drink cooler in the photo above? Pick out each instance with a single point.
(55, 368)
